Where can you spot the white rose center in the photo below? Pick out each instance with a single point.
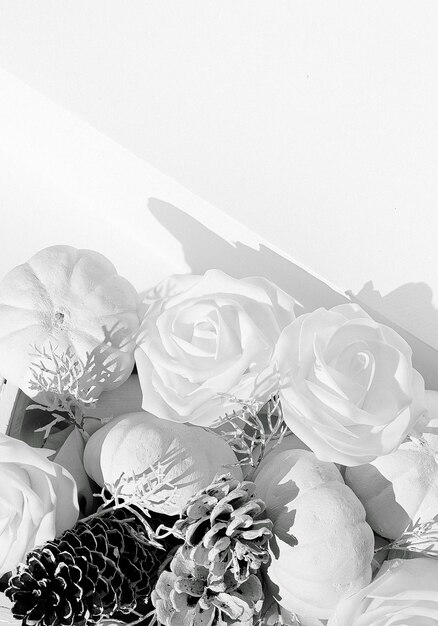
(353, 371)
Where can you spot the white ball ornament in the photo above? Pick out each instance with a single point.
(188, 457)
(322, 547)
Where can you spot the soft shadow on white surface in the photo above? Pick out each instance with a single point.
(425, 356)
(411, 305)
(204, 249)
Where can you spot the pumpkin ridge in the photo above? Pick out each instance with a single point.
(311, 579)
(135, 441)
(335, 545)
(400, 489)
(79, 256)
(46, 304)
(83, 334)
(20, 330)
(118, 312)
(432, 486)
(108, 279)
(105, 266)
(387, 489)
(14, 306)
(315, 538)
(38, 279)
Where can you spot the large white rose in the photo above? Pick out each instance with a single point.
(38, 501)
(209, 335)
(404, 593)
(348, 388)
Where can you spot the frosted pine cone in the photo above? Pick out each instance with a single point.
(98, 568)
(224, 527)
(188, 594)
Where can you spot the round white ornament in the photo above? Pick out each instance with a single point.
(179, 459)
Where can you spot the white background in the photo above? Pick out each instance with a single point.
(314, 124)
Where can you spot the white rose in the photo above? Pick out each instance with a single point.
(405, 593)
(209, 335)
(348, 388)
(38, 501)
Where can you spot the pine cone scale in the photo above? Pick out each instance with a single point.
(196, 531)
(90, 572)
(213, 576)
(178, 601)
(232, 526)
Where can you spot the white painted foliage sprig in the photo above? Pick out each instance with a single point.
(250, 429)
(66, 386)
(59, 378)
(135, 493)
(419, 537)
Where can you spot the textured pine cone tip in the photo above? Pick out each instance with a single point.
(224, 527)
(100, 568)
(188, 595)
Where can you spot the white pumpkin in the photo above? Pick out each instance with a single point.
(276, 615)
(291, 619)
(189, 456)
(398, 488)
(322, 547)
(64, 297)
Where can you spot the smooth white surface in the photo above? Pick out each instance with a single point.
(306, 121)
(64, 182)
(311, 123)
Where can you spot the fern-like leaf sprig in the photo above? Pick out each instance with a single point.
(250, 429)
(420, 537)
(135, 493)
(58, 378)
(66, 386)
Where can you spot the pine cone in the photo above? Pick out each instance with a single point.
(188, 594)
(224, 521)
(102, 566)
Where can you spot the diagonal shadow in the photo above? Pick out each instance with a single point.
(409, 310)
(204, 249)
(411, 303)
